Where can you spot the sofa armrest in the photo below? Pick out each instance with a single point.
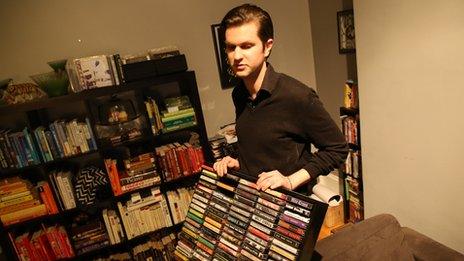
(425, 248)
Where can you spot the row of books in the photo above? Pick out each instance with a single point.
(350, 94)
(18, 202)
(350, 129)
(113, 226)
(176, 160)
(62, 139)
(179, 114)
(179, 201)
(63, 187)
(221, 148)
(89, 237)
(142, 215)
(156, 248)
(355, 209)
(139, 172)
(352, 165)
(48, 243)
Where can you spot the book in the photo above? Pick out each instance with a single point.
(24, 214)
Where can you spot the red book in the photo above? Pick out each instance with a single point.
(46, 246)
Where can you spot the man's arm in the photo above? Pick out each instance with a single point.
(317, 127)
(275, 179)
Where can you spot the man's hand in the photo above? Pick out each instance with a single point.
(227, 162)
(273, 180)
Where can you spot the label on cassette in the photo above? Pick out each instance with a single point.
(285, 246)
(272, 199)
(289, 241)
(257, 239)
(244, 200)
(263, 221)
(293, 221)
(242, 212)
(299, 210)
(269, 204)
(267, 210)
(300, 202)
(299, 217)
(247, 195)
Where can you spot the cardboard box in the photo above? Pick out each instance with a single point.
(334, 216)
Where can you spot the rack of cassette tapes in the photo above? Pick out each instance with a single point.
(228, 219)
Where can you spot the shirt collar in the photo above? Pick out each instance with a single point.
(270, 79)
(269, 82)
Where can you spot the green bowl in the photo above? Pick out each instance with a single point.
(54, 84)
(58, 65)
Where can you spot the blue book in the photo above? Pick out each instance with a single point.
(31, 145)
(56, 140)
(92, 137)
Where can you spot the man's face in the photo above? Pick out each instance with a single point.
(245, 50)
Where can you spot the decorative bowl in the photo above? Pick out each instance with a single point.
(53, 83)
(58, 65)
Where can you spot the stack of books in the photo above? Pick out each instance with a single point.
(176, 160)
(17, 149)
(141, 215)
(93, 72)
(154, 115)
(63, 187)
(179, 114)
(113, 226)
(350, 94)
(350, 129)
(50, 243)
(89, 237)
(18, 203)
(139, 172)
(62, 139)
(179, 201)
(156, 249)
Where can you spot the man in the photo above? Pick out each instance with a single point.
(277, 117)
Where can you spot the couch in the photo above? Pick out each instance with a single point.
(382, 238)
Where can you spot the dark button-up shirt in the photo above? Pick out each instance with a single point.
(276, 129)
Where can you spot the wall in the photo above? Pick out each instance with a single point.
(410, 67)
(34, 32)
(332, 68)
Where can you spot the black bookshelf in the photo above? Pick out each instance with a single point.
(352, 183)
(42, 112)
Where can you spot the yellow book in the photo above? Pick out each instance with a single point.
(24, 214)
(15, 201)
(13, 196)
(13, 208)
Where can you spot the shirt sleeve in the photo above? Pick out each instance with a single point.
(319, 129)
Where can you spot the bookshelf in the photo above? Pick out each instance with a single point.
(85, 108)
(351, 171)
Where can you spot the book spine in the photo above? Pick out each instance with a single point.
(92, 136)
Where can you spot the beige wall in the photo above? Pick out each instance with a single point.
(410, 67)
(330, 66)
(34, 32)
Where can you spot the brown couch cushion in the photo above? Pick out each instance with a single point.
(376, 238)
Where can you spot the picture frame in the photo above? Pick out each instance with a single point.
(227, 77)
(346, 32)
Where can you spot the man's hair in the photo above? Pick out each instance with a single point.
(250, 13)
